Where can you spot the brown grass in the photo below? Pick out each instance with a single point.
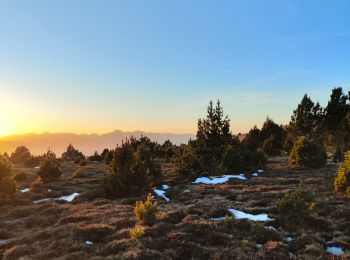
(183, 229)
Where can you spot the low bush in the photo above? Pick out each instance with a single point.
(308, 153)
(342, 181)
(8, 187)
(145, 212)
(20, 155)
(241, 157)
(338, 155)
(186, 161)
(137, 232)
(49, 168)
(80, 173)
(20, 176)
(37, 185)
(72, 154)
(270, 145)
(82, 162)
(95, 157)
(294, 208)
(133, 171)
(32, 161)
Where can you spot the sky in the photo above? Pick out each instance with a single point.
(96, 66)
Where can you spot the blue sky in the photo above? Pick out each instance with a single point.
(96, 66)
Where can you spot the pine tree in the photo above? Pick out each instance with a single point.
(213, 134)
(20, 155)
(336, 110)
(305, 117)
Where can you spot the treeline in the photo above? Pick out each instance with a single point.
(135, 165)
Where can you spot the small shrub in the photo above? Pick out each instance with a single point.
(242, 157)
(95, 157)
(342, 181)
(270, 145)
(8, 187)
(20, 155)
(146, 211)
(294, 208)
(133, 171)
(20, 176)
(137, 232)
(80, 173)
(72, 154)
(308, 153)
(37, 185)
(186, 161)
(82, 162)
(338, 155)
(32, 161)
(49, 168)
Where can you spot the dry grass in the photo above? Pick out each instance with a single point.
(183, 228)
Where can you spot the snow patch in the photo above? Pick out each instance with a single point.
(161, 193)
(260, 171)
(88, 242)
(255, 174)
(218, 180)
(258, 245)
(68, 198)
(165, 187)
(288, 238)
(335, 250)
(242, 215)
(24, 190)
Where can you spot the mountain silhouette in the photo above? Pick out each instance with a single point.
(87, 143)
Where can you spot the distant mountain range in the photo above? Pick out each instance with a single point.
(87, 143)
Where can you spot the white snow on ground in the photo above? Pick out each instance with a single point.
(242, 215)
(3, 241)
(88, 242)
(68, 198)
(288, 238)
(260, 171)
(255, 174)
(165, 187)
(24, 190)
(161, 193)
(258, 245)
(218, 180)
(335, 250)
(271, 227)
